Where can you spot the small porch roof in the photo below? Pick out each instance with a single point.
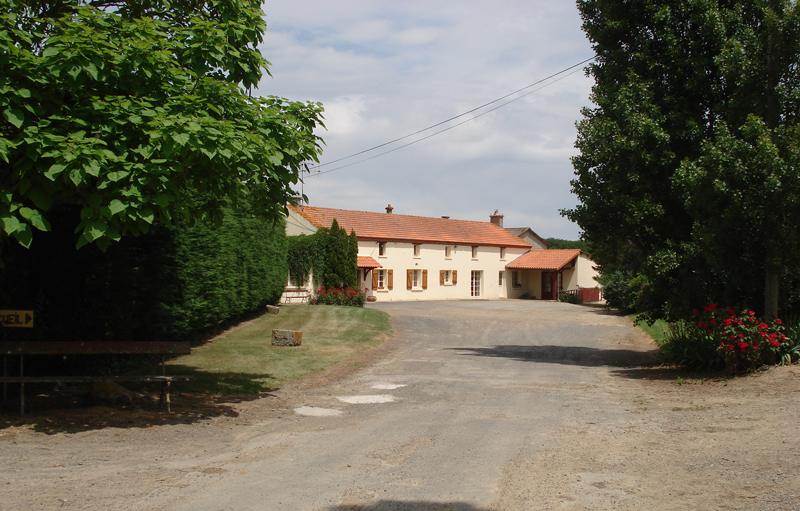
(367, 262)
(548, 260)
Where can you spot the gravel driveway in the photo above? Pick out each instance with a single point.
(508, 405)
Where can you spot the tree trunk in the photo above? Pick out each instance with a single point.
(772, 279)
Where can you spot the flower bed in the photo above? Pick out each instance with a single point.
(742, 340)
(339, 296)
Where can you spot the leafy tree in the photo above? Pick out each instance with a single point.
(562, 243)
(340, 258)
(687, 172)
(117, 110)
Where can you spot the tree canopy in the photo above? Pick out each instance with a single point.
(562, 243)
(688, 168)
(123, 109)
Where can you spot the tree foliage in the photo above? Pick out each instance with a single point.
(341, 259)
(171, 283)
(558, 243)
(124, 108)
(688, 171)
(306, 256)
(330, 255)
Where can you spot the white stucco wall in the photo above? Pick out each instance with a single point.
(400, 257)
(587, 275)
(536, 244)
(296, 224)
(569, 277)
(531, 284)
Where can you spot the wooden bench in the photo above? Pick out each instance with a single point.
(22, 349)
(296, 295)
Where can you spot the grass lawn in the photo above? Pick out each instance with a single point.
(243, 362)
(657, 331)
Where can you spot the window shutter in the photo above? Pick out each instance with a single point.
(441, 277)
(375, 279)
(390, 278)
(409, 277)
(424, 279)
(455, 277)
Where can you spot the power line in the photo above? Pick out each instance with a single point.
(404, 137)
(438, 132)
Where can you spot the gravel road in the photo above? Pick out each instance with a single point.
(502, 405)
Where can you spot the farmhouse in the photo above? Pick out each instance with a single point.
(407, 257)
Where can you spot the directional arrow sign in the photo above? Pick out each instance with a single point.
(16, 318)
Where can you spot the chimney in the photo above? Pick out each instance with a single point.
(496, 218)
(389, 208)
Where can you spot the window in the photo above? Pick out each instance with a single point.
(502, 253)
(448, 278)
(500, 279)
(381, 248)
(475, 283)
(417, 249)
(416, 279)
(448, 251)
(381, 279)
(515, 279)
(474, 252)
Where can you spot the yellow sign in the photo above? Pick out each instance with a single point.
(16, 319)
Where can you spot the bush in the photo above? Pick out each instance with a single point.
(738, 340)
(223, 272)
(330, 254)
(567, 297)
(623, 290)
(340, 296)
(687, 347)
(169, 284)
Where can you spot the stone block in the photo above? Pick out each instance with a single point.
(287, 337)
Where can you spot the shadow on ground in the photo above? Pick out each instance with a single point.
(397, 505)
(74, 408)
(666, 373)
(567, 355)
(602, 309)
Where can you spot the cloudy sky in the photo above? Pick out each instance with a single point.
(385, 69)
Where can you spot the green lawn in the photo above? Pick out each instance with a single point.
(243, 362)
(657, 331)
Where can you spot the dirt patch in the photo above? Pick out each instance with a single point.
(687, 443)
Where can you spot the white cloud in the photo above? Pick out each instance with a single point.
(386, 69)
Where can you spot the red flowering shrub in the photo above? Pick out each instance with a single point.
(742, 340)
(338, 296)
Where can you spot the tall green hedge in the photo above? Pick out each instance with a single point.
(170, 284)
(330, 255)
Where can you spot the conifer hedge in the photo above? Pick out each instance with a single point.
(172, 283)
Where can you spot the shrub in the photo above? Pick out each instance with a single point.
(623, 290)
(340, 296)
(330, 254)
(567, 297)
(686, 346)
(738, 340)
(171, 283)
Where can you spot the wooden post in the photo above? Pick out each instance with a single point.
(21, 385)
(5, 385)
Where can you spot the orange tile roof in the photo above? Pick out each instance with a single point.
(422, 229)
(551, 260)
(367, 262)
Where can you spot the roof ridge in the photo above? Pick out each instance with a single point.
(482, 222)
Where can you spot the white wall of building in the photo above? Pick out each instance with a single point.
(400, 257)
(536, 243)
(587, 274)
(296, 225)
(530, 284)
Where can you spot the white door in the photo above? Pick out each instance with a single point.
(475, 283)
